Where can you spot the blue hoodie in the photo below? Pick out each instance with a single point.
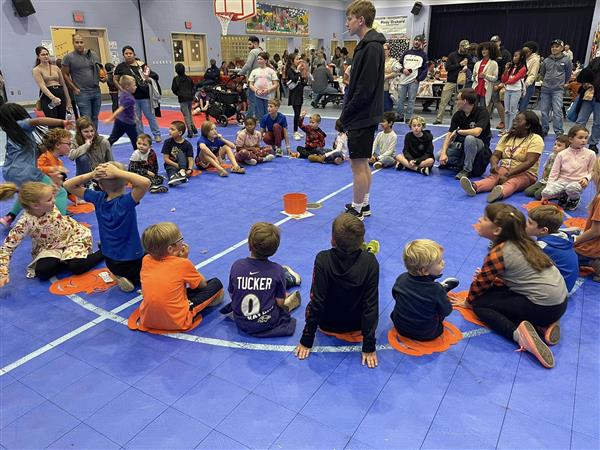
(559, 248)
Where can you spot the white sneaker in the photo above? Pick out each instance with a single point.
(251, 162)
(124, 284)
(297, 136)
(270, 157)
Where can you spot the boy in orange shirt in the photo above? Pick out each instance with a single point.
(174, 291)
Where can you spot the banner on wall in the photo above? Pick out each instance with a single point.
(275, 19)
(392, 27)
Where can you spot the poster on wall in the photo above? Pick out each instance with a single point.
(275, 19)
(394, 29)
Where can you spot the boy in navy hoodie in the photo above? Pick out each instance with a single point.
(543, 223)
(422, 303)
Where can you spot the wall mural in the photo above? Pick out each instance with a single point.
(275, 19)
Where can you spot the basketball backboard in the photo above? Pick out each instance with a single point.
(236, 9)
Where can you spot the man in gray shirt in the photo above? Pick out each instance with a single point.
(322, 76)
(555, 71)
(251, 64)
(81, 70)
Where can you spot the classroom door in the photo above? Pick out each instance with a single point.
(191, 51)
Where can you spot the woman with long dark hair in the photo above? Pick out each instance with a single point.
(515, 161)
(54, 95)
(295, 73)
(513, 82)
(485, 72)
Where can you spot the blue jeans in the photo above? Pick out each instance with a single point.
(511, 107)
(552, 101)
(328, 90)
(388, 103)
(587, 108)
(252, 104)
(411, 89)
(260, 107)
(83, 164)
(144, 106)
(462, 156)
(524, 103)
(89, 103)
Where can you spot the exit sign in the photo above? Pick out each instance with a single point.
(78, 17)
(188, 25)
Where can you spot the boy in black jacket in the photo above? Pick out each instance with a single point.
(344, 295)
(421, 303)
(183, 88)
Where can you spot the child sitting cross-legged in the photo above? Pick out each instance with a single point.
(422, 303)
(535, 190)
(543, 224)
(344, 296)
(384, 147)
(212, 149)
(315, 137)
(339, 152)
(178, 155)
(143, 161)
(571, 171)
(257, 286)
(417, 154)
(247, 144)
(174, 291)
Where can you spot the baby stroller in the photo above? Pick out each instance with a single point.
(224, 102)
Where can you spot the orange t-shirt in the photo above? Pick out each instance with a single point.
(591, 249)
(164, 281)
(47, 160)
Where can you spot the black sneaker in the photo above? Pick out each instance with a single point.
(355, 213)
(462, 173)
(450, 283)
(158, 189)
(175, 179)
(562, 200)
(400, 166)
(365, 210)
(572, 204)
(424, 171)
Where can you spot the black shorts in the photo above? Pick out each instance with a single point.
(360, 142)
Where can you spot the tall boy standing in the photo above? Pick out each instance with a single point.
(363, 109)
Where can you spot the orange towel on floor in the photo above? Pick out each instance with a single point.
(450, 336)
(467, 313)
(82, 208)
(88, 282)
(350, 336)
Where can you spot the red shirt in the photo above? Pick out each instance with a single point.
(480, 88)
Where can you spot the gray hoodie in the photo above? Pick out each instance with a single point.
(555, 72)
(251, 62)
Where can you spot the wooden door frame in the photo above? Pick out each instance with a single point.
(193, 34)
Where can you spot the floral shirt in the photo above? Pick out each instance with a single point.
(53, 236)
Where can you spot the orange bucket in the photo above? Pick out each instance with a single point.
(294, 203)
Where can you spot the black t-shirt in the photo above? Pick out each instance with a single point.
(479, 117)
(418, 148)
(143, 90)
(172, 148)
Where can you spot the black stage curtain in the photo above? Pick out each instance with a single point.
(515, 22)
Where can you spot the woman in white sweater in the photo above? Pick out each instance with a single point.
(485, 72)
(532, 62)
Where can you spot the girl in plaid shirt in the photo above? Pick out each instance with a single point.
(518, 291)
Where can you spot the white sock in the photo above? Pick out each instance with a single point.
(357, 206)
(366, 199)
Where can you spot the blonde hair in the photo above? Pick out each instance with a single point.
(420, 254)
(418, 119)
(113, 185)
(348, 232)
(126, 80)
(263, 239)
(157, 238)
(362, 8)
(29, 193)
(276, 103)
(53, 137)
(316, 117)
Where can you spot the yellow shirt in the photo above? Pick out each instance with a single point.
(514, 151)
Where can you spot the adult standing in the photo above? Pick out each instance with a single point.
(532, 61)
(392, 70)
(458, 62)
(251, 64)
(83, 71)
(296, 80)
(590, 77)
(466, 147)
(141, 72)
(414, 70)
(556, 72)
(568, 52)
(337, 60)
(364, 108)
(54, 97)
(504, 57)
(485, 73)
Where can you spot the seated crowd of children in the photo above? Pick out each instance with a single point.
(520, 291)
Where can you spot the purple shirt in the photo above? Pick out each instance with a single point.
(127, 102)
(254, 284)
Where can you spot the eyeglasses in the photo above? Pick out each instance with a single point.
(65, 143)
(177, 241)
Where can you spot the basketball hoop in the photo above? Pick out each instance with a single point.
(224, 18)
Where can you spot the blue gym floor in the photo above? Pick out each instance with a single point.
(74, 376)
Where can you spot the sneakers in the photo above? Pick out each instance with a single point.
(373, 246)
(278, 152)
(462, 173)
(530, 341)
(316, 158)
(562, 200)
(355, 213)
(551, 333)
(251, 162)
(495, 194)
(424, 171)
(292, 301)
(338, 160)
(437, 122)
(124, 284)
(7, 220)
(400, 166)
(176, 179)
(297, 136)
(377, 165)
(158, 189)
(572, 204)
(468, 186)
(292, 276)
(270, 157)
(365, 210)
(449, 283)
(157, 138)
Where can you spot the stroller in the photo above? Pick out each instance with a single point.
(225, 102)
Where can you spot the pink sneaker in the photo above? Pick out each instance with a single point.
(551, 333)
(530, 341)
(7, 220)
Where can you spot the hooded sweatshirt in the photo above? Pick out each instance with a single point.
(415, 61)
(364, 105)
(555, 72)
(560, 249)
(344, 296)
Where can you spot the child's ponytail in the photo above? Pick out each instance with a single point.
(29, 193)
(7, 191)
